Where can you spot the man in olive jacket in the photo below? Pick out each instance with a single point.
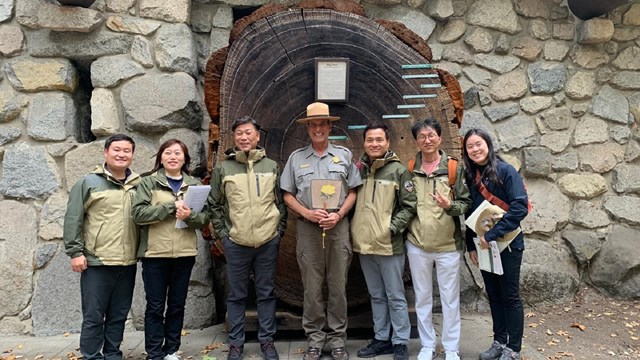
(249, 215)
(385, 206)
(102, 239)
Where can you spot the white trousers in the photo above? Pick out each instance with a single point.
(447, 266)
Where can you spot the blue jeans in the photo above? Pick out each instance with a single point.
(107, 292)
(166, 282)
(241, 261)
(504, 299)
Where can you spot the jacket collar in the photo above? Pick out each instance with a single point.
(240, 156)
(418, 162)
(104, 171)
(389, 157)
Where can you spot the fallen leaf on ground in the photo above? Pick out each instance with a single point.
(549, 332)
(530, 315)
(184, 332)
(562, 333)
(66, 334)
(299, 351)
(38, 357)
(579, 326)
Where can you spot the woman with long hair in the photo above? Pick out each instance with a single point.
(168, 253)
(488, 173)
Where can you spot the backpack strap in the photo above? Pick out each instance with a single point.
(411, 165)
(488, 195)
(452, 169)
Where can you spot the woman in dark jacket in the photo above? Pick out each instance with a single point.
(484, 166)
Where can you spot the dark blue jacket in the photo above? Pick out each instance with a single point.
(510, 191)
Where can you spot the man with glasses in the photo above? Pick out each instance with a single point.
(323, 248)
(436, 239)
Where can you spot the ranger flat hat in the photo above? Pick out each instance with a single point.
(317, 111)
(487, 219)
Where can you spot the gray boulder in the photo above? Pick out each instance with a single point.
(175, 49)
(28, 172)
(550, 208)
(157, 103)
(546, 78)
(56, 304)
(587, 215)
(548, 273)
(584, 244)
(623, 208)
(110, 71)
(614, 269)
(19, 239)
(626, 179)
(52, 116)
(611, 105)
(517, 132)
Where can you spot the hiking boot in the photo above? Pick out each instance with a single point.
(451, 355)
(269, 351)
(235, 352)
(312, 354)
(508, 354)
(339, 353)
(375, 348)
(400, 352)
(426, 353)
(494, 352)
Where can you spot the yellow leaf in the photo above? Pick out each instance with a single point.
(549, 332)
(184, 332)
(614, 335)
(21, 346)
(38, 357)
(566, 309)
(634, 338)
(530, 315)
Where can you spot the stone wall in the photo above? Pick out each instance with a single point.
(561, 97)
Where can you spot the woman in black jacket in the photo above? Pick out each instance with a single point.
(484, 167)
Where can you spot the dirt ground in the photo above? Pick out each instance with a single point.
(592, 326)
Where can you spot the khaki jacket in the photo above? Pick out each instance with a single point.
(98, 222)
(154, 208)
(246, 200)
(385, 205)
(435, 229)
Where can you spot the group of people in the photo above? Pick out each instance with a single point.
(377, 206)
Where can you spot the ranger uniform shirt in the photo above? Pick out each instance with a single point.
(305, 165)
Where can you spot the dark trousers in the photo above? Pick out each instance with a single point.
(504, 299)
(166, 282)
(106, 293)
(241, 261)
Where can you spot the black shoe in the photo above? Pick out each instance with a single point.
(235, 352)
(400, 352)
(375, 348)
(339, 353)
(269, 351)
(312, 354)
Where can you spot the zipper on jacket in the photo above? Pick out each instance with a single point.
(257, 184)
(373, 193)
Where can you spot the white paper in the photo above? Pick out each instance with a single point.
(489, 259)
(194, 198)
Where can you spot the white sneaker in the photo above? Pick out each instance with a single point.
(173, 356)
(451, 355)
(426, 353)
